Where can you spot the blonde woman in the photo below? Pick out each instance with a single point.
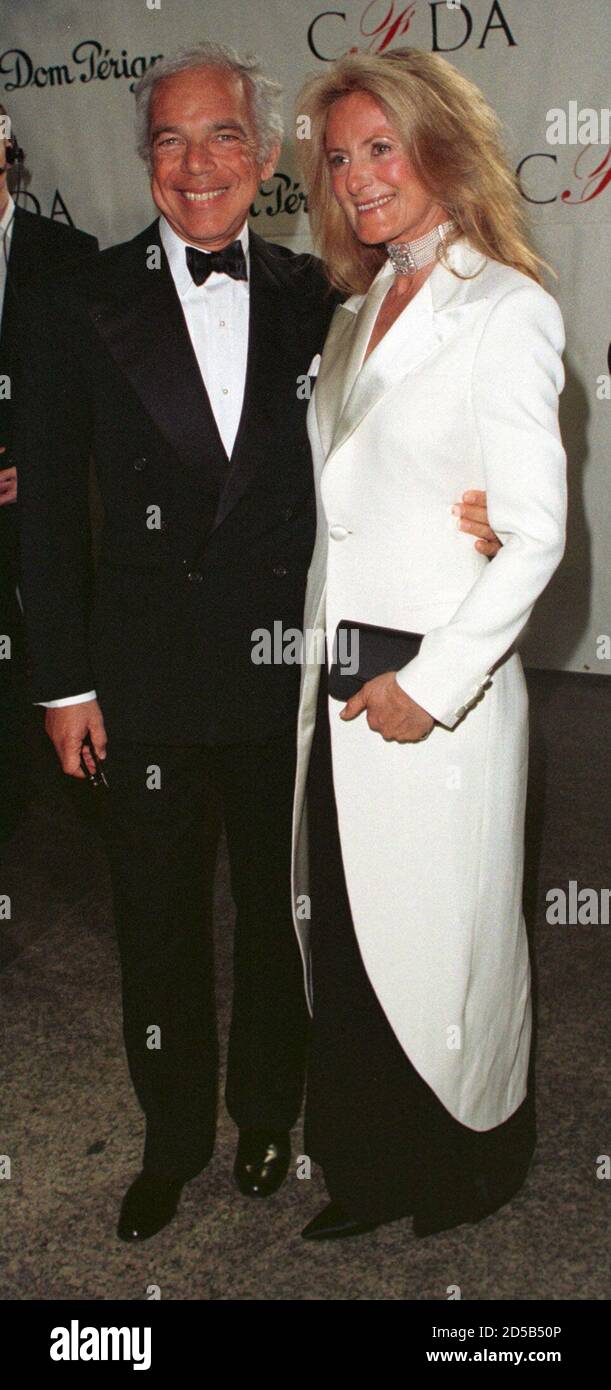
(444, 362)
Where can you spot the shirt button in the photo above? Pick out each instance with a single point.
(225, 390)
(195, 576)
(338, 533)
(221, 323)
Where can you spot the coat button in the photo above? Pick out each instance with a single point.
(279, 571)
(287, 513)
(338, 533)
(195, 576)
(139, 464)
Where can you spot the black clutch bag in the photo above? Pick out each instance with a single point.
(362, 651)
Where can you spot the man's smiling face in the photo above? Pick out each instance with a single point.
(204, 151)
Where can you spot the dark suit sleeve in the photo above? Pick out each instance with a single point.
(53, 446)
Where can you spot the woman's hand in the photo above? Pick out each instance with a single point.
(390, 712)
(472, 510)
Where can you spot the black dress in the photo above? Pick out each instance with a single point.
(387, 1145)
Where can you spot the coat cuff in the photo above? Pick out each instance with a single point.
(426, 688)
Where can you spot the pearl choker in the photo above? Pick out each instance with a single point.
(409, 256)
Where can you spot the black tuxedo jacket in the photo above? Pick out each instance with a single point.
(40, 250)
(164, 631)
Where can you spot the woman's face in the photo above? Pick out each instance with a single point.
(371, 175)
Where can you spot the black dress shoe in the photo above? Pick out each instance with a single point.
(148, 1205)
(334, 1223)
(261, 1162)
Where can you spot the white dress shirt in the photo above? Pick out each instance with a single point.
(6, 234)
(216, 314)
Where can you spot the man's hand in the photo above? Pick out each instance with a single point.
(68, 726)
(474, 518)
(390, 712)
(8, 483)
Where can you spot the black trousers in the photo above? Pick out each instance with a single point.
(387, 1145)
(162, 819)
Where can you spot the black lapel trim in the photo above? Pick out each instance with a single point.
(276, 312)
(143, 325)
(22, 255)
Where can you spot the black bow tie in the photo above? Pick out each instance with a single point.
(230, 261)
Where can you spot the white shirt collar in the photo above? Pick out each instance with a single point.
(5, 220)
(175, 249)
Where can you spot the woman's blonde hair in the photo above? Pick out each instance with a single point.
(451, 137)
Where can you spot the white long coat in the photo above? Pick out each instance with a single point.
(461, 392)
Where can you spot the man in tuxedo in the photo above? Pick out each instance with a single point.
(176, 361)
(32, 248)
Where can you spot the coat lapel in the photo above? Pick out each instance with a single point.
(348, 386)
(24, 258)
(343, 355)
(143, 325)
(275, 315)
(24, 263)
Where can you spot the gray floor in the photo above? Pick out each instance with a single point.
(73, 1132)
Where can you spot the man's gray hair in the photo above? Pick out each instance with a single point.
(264, 94)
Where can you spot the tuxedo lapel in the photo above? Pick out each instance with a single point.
(275, 314)
(25, 253)
(143, 325)
(23, 263)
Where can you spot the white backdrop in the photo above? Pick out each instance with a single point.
(66, 72)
